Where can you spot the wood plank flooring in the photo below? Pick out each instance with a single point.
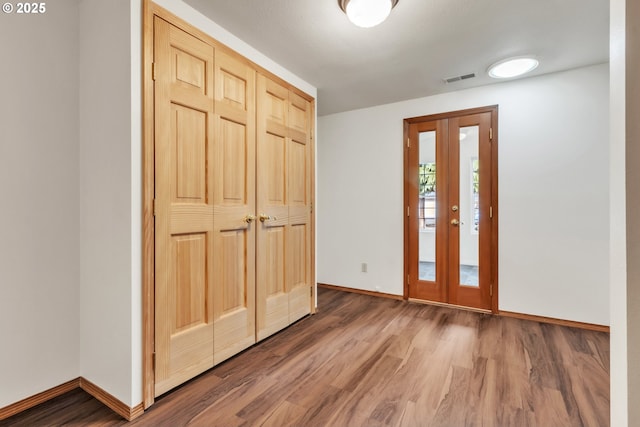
(367, 361)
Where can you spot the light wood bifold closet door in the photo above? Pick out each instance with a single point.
(234, 249)
(284, 236)
(184, 206)
(233, 153)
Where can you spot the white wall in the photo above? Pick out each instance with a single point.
(632, 155)
(135, 290)
(617, 212)
(553, 130)
(625, 209)
(39, 209)
(108, 317)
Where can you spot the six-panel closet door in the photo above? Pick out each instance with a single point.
(184, 226)
(284, 207)
(232, 206)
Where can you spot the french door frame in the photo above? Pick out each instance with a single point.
(408, 182)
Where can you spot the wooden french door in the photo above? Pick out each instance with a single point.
(284, 207)
(451, 198)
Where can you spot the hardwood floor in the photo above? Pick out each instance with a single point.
(367, 361)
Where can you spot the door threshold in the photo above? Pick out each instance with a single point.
(444, 304)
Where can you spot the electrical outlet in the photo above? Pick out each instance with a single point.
(364, 267)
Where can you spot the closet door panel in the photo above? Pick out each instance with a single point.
(299, 236)
(234, 207)
(299, 288)
(273, 208)
(184, 210)
(273, 300)
(284, 200)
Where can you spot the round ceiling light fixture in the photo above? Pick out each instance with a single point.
(512, 67)
(367, 13)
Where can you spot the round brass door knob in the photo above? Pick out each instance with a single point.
(265, 217)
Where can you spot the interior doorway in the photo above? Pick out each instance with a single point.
(451, 208)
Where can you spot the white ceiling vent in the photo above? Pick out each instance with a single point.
(458, 78)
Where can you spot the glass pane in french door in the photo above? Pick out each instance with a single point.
(469, 205)
(427, 206)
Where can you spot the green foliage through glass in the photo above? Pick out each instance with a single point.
(427, 175)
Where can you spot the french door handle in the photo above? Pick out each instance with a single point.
(455, 222)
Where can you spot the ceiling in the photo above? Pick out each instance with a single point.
(420, 44)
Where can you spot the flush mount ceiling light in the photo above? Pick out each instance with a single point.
(512, 67)
(367, 13)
